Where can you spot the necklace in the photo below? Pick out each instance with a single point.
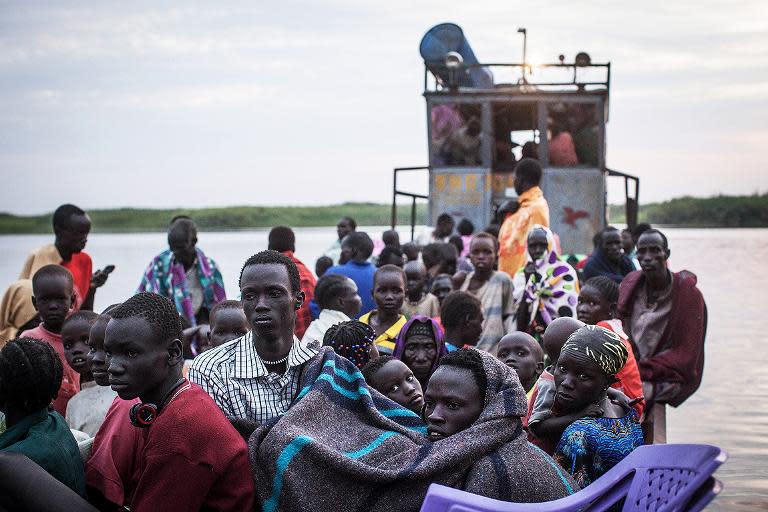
(275, 363)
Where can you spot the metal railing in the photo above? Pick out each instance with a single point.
(412, 195)
(632, 203)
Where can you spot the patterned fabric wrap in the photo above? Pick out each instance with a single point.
(602, 346)
(553, 290)
(421, 323)
(590, 447)
(344, 446)
(166, 276)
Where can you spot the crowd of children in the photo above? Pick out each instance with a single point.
(384, 357)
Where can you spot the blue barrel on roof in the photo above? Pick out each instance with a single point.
(448, 37)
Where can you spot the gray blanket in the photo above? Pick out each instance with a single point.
(344, 446)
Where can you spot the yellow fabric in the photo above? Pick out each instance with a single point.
(386, 340)
(16, 309)
(37, 259)
(513, 235)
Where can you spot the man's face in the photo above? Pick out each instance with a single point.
(444, 228)
(74, 235)
(53, 298)
(138, 363)
(182, 244)
(612, 245)
(419, 355)
(268, 301)
(451, 402)
(343, 228)
(482, 254)
(651, 253)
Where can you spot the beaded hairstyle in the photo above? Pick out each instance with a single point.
(351, 340)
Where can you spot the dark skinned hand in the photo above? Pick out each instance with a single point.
(99, 278)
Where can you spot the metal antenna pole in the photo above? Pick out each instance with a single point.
(522, 30)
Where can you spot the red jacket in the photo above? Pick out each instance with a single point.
(679, 358)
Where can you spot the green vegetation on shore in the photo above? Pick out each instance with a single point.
(718, 211)
(125, 220)
(697, 212)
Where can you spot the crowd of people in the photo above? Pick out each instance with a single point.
(481, 360)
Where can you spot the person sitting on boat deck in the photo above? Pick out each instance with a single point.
(390, 255)
(418, 300)
(393, 379)
(546, 288)
(665, 315)
(442, 285)
(492, 288)
(592, 445)
(358, 246)
(30, 377)
(462, 263)
(352, 340)
(53, 297)
(533, 209)
(420, 346)
(17, 313)
(185, 275)
(71, 227)
(389, 294)
(344, 227)
(338, 300)
(521, 352)
(598, 299)
(461, 316)
(411, 250)
(283, 240)
(143, 340)
(74, 338)
(256, 377)
(440, 233)
(608, 259)
(473, 395)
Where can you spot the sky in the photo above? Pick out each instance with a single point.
(303, 103)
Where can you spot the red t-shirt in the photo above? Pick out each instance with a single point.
(70, 381)
(81, 267)
(192, 459)
(307, 283)
(628, 381)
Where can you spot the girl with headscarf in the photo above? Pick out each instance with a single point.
(608, 432)
(546, 288)
(420, 345)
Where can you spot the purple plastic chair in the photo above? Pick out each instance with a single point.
(664, 478)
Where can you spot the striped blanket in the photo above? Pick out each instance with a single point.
(344, 446)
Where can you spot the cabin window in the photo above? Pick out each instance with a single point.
(456, 134)
(515, 133)
(572, 134)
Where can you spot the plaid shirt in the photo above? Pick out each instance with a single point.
(308, 282)
(236, 378)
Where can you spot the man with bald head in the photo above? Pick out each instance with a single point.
(184, 274)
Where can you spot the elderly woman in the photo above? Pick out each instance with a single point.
(420, 346)
(546, 288)
(608, 432)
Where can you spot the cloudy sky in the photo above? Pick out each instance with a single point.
(286, 103)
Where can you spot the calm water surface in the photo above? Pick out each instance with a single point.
(729, 410)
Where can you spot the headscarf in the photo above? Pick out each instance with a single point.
(553, 290)
(16, 309)
(421, 323)
(599, 344)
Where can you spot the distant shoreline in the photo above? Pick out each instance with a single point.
(684, 212)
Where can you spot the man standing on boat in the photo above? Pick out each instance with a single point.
(665, 316)
(534, 209)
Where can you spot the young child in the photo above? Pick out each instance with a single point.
(604, 432)
(228, 323)
(598, 299)
(53, 297)
(521, 352)
(322, 264)
(393, 379)
(353, 340)
(461, 316)
(30, 377)
(386, 320)
(442, 285)
(185, 432)
(86, 410)
(411, 250)
(418, 301)
(492, 288)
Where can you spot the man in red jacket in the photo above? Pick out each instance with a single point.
(665, 315)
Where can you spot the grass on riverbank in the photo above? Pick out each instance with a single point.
(696, 212)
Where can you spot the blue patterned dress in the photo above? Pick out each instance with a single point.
(590, 447)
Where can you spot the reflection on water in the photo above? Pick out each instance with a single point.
(727, 411)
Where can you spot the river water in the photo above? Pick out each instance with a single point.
(727, 411)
